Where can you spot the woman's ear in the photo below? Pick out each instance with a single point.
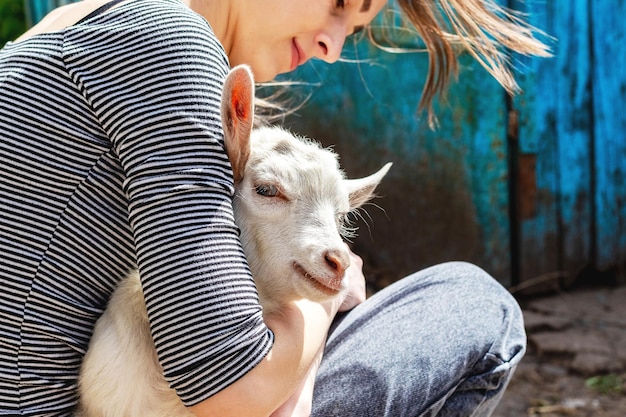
(238, 117)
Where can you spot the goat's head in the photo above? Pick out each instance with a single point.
(291, 202)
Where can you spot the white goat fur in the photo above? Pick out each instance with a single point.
(292, 242)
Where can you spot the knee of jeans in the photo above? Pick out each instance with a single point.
(482, 298)
(471, 309)
(508, 331)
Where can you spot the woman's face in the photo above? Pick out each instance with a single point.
(275, 36)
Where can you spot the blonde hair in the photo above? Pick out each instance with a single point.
(482, 28)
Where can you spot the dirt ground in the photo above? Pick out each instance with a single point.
(543, 389)
(576, 362)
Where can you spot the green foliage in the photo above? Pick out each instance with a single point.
(605, 384)
(12, 20)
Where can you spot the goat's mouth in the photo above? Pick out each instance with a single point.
(318, 283)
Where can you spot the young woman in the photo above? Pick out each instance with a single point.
(112, 158)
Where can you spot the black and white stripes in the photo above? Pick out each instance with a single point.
(111, 156)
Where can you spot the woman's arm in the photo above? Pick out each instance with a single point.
(152, 74)
(283, 383)
(299, 333)
(300, 403)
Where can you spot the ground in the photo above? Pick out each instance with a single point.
(576, 361)
(543, 389)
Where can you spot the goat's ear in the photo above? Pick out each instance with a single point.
(238, 117)
(362, 190)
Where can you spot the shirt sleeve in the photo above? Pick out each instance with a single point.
(154, 78)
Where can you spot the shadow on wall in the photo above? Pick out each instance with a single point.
(426, 216)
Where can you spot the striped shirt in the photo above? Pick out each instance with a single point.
(111, 156)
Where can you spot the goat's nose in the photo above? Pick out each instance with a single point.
(338, 261)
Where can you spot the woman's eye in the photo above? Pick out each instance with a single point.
(267, 190)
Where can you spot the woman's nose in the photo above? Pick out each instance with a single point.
(330, 43)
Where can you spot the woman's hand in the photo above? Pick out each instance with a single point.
(355, 280)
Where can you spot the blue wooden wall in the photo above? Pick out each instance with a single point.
(608, 86)
(528, 188)
(571, 121)
(556, 132)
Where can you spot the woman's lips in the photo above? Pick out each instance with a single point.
(297, 55)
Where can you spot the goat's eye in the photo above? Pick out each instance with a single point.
(267, 190)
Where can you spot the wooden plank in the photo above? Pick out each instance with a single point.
(609, 88)
(574, 133)
(555, 127)
(538, 240)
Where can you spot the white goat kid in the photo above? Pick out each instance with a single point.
(291, 200)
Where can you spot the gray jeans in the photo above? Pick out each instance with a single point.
(442, 342)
